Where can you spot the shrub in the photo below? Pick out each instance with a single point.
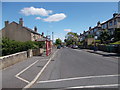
(11, 46)
(118, 42)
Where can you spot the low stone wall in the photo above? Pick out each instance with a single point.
(9, 60)
(38, 52)
(12, 59)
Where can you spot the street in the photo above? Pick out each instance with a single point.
(71, 65)
(69, 68)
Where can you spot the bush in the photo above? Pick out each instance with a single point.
(11, 46)
(118, 42)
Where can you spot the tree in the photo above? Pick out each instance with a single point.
(71, 38)
(104, 36)
(116, 34)
(58, 41)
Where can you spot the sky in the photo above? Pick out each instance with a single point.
(58, 17)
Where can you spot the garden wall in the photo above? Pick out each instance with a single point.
(12, 59)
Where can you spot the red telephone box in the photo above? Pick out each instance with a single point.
(48, 47)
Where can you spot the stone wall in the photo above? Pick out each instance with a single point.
(12, 59)
(38, 52)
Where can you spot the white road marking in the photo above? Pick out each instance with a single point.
(22, 79)
(94, 86)
(77, 78)
(17, 75)
(115, 61)
(38, 75)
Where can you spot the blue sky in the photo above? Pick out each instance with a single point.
(58, 17)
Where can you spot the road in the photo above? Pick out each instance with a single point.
(69, 68)
(81, 69)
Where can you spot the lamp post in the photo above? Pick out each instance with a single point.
(95, 38)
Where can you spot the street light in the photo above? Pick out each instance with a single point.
(95, 38)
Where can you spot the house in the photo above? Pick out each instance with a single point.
(17, 31)
(110, 25)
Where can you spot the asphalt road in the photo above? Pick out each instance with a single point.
(74, 68)
(68, 68)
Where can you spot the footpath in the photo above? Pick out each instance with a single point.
(107, 54)
(22, 73)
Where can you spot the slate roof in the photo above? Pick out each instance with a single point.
(30, 30)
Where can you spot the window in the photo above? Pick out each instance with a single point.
(115, 22)
(110, 23)
(118, 19)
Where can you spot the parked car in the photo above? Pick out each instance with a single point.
(74, 46)
(58, 47)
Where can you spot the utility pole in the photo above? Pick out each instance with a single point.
(53, 37)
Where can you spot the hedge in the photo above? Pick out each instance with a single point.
(11, 46)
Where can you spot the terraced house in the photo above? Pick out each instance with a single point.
(18, 32)
(110, 25)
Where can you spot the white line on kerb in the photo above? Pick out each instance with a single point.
(17, 75)
(38, 75)
(94, 86)
(77, 78)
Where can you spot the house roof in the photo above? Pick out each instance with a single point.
(117, 16)
(30, 30)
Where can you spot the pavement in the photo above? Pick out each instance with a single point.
(109, 54)
(24, 72)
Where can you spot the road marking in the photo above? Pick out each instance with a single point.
(22, 79)
(38, 75)
(94, 86)
(17, 75)
(77, 78)
(115, 61)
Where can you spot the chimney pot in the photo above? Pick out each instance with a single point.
(35, 29)
(21, 21)
(115, 14)
(6, 23)
(89, 28)
(42, 33)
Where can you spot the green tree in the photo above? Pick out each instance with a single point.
(104, 36)
(71, 38)
(116, 34)
(58, 41)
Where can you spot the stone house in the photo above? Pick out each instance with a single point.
(18, 32)
(110, 25)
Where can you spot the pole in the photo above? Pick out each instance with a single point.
(52, 36)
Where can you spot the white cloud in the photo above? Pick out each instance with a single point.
(67, 30)
(55, 17)
(38, 18)
(35, 11)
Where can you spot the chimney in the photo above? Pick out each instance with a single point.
(21, 22)
(42, 33)
(6, 23)
(115, 14)
(89, 28)
(35, 29)
(98, 23)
